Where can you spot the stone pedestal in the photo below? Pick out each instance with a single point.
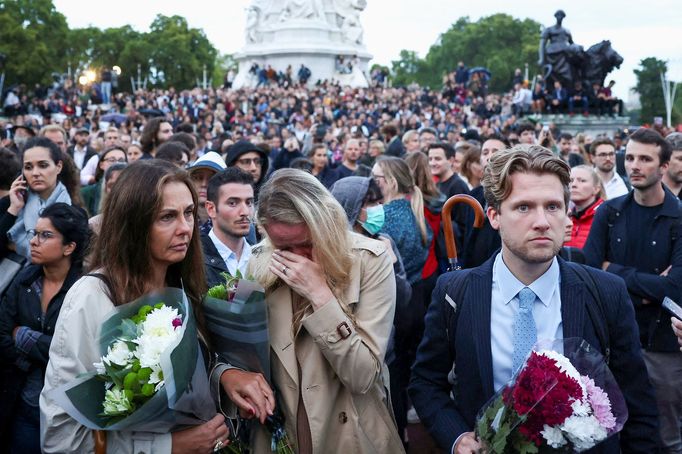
(593, 125)
(278, 41)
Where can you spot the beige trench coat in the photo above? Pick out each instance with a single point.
(343, 378)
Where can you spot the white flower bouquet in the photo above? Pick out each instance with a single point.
(151, 376)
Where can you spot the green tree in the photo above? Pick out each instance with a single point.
(179, 52)
(32, 33)
(407, 69)
(499, 43)
(651, 91)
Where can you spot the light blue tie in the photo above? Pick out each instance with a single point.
(525, 332)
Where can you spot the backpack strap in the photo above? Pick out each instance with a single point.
(596, 312)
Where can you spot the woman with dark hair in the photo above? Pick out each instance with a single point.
(321, 169)
(39, 186)
(9, 168)
(148, 240)
(92, 194)
(28, 315)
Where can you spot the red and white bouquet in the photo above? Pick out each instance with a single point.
(566, 402)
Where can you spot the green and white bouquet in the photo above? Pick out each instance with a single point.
(152, 375)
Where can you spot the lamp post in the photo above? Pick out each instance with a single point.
(669, 89)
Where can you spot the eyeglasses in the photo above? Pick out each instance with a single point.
(114, 160)
(605, 155)
(249, 161)
(42, 236)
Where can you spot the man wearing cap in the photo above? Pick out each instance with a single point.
(81, 151)
(200, 172)
(249, 158)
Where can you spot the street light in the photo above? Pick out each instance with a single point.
(90, 74)
(117, 70)
(83, 80)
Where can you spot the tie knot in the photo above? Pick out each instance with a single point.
(526, 298)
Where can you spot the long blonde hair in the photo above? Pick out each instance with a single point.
(292, 196)
(399, 179)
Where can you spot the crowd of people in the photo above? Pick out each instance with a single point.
(332, 198)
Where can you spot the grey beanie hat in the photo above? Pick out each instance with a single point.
(350, 192)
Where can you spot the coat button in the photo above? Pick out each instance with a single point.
(618, 240)
(653, 243)
(212, 260)
(343, 418)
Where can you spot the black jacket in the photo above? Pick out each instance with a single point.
(213, 262)
(608, 241)
(21, 307)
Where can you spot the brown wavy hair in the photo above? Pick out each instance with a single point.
(521, 158)
(122, 250)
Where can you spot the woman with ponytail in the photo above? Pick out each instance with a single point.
(406, 224)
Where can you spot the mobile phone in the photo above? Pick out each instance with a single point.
(672, 307)
(545, 128)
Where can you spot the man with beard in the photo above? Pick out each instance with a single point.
(230, 206)
(351, 154)
(603, 152)
(485, 320)
(637, 237)
(673, 177)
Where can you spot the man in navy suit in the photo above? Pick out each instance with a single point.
(486, 319)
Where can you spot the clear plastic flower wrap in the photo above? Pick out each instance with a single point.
(181, 395)
(563, 399)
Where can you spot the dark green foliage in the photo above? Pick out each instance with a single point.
(499, 42)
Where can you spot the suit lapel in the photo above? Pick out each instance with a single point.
(481, 294)
(281, 341)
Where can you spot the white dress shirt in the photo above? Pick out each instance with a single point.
(230, 257)
(79, 156)
(615, 187)
(89, 170)
(504, 306)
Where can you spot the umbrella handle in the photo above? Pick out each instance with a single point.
(447, 223)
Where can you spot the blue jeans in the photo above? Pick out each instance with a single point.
(26, 429)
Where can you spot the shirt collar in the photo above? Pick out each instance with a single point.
(227, 253)
(544, 286)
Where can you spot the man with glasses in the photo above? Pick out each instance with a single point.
(603, 152)
(251, 159)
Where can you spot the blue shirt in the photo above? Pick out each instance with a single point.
(504, 306)
(230, 257)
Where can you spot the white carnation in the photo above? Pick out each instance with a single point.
(99, 367)
(583, 432)
(553, 436)
(581, 408)
(118, 353)
(159, 322)
(158, 333)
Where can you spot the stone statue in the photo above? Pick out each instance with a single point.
(302, 9)
(559, 56)
(348, 12)
(564, 61)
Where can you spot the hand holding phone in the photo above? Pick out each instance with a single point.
(672, 307)
(17, 195)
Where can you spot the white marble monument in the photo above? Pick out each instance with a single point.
(321, 34)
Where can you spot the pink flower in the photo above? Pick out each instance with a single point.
(600, 403)
(177, 322)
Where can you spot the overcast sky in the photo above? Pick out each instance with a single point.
(636, 29)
